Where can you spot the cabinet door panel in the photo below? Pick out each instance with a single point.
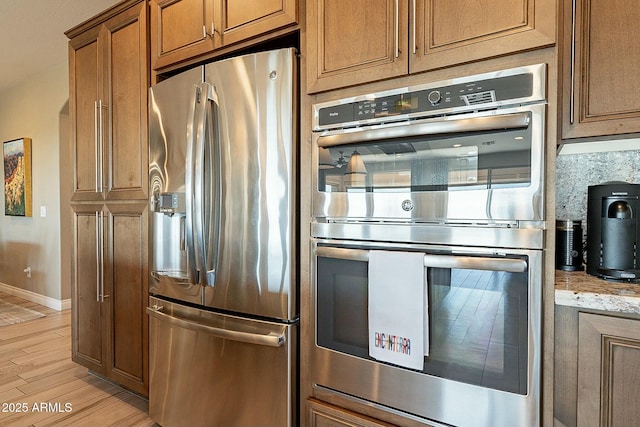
(451, 32)
(608, 371)
(324, 415)
(623, 362)
(126, 104)
(242, 20)
(358, 41)
(605, 71)
(182, 23)
(128, 294)
(180, 29)
(88, 322)
(459, 22)
(83, 70)
(239, 14)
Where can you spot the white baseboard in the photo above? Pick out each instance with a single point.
(53, 303)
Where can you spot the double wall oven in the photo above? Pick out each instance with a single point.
(453, 171)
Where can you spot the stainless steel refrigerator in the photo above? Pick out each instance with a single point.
(223, 306)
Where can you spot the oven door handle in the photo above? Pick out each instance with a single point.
(430, 127)
(510, 265)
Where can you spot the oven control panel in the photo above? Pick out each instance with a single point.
(491, 90)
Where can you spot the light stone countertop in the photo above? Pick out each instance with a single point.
(579, 289)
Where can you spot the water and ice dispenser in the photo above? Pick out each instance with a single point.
(613, 231)
(170, 255)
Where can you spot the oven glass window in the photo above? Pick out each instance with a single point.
(479, 160)
(477, 321)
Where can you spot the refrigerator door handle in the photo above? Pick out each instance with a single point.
(207, 195)
(270, 339)
(190, 168)
(198, 209)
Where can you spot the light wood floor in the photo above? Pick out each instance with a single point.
(41, 386)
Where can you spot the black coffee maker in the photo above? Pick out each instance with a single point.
(613, 231)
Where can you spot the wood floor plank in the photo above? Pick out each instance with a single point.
(43, 355)
(51, 345)
(79, 397)
(9, 396)
(49, 323)
(27, 341)
(38, 371)
(116, 406)
(15, 383)
(34, 327)
(38, 375)
(8, 354)
(58, 379)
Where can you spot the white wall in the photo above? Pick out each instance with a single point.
(32, 110)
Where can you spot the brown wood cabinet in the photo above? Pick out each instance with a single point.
(597, 368)
(601, 59)
(325, 415)
(185, 29)
(361, 41)
(109, 325)
(109, 80)
(358, 41)
(608, 371)
(89, 314)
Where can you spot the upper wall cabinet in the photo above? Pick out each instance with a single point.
(108, 105)
(360, 41)
(601, 59)
(356, 41)
(185, 29)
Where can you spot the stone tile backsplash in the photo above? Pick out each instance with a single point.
(575, 172)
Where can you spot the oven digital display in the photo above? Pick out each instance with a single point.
(385, 107)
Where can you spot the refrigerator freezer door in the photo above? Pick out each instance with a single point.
(171, 115)
(209, 369)
(254, 135)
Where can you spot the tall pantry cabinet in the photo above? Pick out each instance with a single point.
(109, 79)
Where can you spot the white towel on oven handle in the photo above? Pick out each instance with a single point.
(397, 308)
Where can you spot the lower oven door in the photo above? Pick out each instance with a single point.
(484, 321)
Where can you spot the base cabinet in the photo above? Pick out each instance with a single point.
(324, 415)
(109, 324)
(597, 368)
(608, 371)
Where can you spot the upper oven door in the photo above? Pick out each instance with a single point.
(481, 166)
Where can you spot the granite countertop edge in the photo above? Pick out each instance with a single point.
(579, 289)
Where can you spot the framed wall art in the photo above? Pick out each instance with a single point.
(17, 177)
